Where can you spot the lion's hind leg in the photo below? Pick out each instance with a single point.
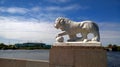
(83, 38)
(96, 37)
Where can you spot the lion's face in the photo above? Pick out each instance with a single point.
(59, 23)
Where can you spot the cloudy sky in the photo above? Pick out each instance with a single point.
(32, 20)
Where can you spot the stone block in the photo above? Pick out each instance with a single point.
(78, 55)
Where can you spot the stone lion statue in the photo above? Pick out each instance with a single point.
(71, 28)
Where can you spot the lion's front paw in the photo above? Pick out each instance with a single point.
(94, 39)
(85, 40)
(60, 39)
(59, 35)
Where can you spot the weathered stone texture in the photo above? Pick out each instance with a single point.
(77, 56)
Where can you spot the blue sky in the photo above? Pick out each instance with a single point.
(32, 20)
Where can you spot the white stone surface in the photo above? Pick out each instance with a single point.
(77, 44)
(72, 28)
(59, 39)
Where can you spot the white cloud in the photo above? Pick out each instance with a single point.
(13, 10)
(109, 25)
(27, 30)
(40, 9)
(110, 32)
(63, 8)
(36, 9)
(58, 1)
(39, 13)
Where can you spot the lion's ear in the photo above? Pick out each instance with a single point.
(62, 21)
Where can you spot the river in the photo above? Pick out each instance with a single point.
(113, 58)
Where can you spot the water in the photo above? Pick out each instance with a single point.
(112, 57)
(25, 54)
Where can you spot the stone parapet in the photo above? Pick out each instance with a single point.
(78, 55)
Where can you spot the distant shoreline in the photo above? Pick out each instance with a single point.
(24, 49)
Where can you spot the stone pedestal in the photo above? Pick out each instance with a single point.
(78, 55)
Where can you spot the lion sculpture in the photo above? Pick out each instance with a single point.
(72, 28)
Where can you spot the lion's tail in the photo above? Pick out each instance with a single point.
(96, 26)
(97, 29)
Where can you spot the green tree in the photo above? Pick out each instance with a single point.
(3, 46)
(109, 45)
(11, 47)
(114, 48)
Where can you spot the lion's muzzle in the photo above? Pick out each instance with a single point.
(56, 26)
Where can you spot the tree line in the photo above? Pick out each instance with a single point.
(28, 46)
(31, 46)
(112, 47)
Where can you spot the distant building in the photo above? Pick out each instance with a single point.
(33, 45)
(30, 44)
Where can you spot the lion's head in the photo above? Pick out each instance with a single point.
(60, 23)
